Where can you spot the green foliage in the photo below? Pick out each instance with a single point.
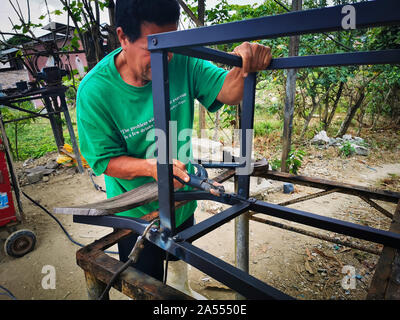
(12, 114)
(36, 138)
(293, 162)
(263, 128)
(17, 40)
(228, 116)
(346, 150)
(275, 164)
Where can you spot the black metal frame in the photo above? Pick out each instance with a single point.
(55, 92)
(368, 14)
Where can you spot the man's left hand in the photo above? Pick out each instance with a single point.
(255, 57)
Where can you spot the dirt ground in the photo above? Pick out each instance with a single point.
(301, 266)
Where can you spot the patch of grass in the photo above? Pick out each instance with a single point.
(263, 128)
(36, 139)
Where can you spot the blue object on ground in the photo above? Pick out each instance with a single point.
(288, 188)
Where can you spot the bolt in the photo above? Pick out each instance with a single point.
(177, 238)
(154, 41)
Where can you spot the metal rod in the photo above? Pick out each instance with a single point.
(377, 206)
(160, 83)
(238, 280)
(242, 183)
(308, 197)
(8, 105)
(347, 228)
(316, 235)
(297, 62)
(64, 108)
(346, 188)
(198, 230)
(54, 125)
(367, 14)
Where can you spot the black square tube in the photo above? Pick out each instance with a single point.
(386, 238)
(246, 134)
(367, 14)
(160, 79)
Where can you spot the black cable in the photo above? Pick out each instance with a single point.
(96, 186)
(7, 293)
(114, 277)
(59, 223)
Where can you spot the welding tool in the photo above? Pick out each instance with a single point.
(132, 257)
(200, 180)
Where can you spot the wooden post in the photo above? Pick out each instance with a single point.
(94, 287)
(290, 96)
(385, 284)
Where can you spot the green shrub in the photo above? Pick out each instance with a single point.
(293, 162)
(346, 150)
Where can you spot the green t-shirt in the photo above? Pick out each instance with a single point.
(115, 119)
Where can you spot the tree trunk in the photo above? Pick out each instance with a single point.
(112, 38)
(350, 115)
(326, 109)
(290, 96)
(335, 104)
(315, 105)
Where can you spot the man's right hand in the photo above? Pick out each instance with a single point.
(179, 170)
(125, 167)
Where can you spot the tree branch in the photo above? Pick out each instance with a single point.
(190, 14)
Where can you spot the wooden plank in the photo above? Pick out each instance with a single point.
(385, 284)
(137, 197)
(308, 197)
(377, 207)
(99, 269)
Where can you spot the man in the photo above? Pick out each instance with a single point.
(115, 109)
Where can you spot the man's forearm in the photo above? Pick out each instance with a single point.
(232, 90)
(255, 57)
(125, 167)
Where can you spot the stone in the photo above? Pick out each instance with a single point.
(51, 164)
(358, 140)
(39, 169)
(347, 137)
(46, 179)
(27, 162)
(332, 141)
(360, 150)
(34, 177)
(320, 138)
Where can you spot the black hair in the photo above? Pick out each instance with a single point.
(130, 14)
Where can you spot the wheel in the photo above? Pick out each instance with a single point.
(20, 243)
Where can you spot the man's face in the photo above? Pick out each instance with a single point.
(136, 53)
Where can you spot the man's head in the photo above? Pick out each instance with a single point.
(135, 20)
(130, 15)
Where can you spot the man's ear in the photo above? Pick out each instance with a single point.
(123, 39)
